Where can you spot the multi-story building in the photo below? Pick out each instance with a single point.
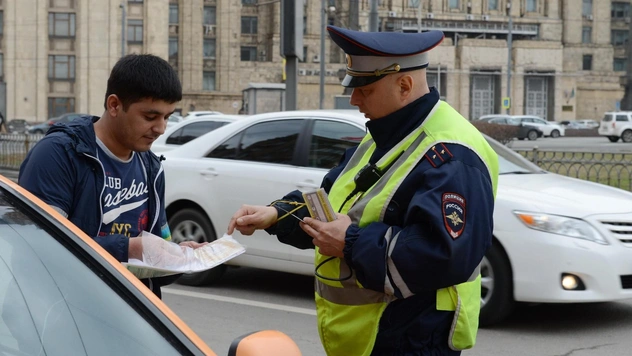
(567, 56)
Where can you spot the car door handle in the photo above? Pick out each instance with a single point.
(307, 184)
(209, 172)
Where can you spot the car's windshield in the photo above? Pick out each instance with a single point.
(52, 303)
(510, 161)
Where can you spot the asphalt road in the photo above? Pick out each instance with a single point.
(248, 300)
(580, 144)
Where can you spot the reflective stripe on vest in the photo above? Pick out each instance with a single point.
(348, 314)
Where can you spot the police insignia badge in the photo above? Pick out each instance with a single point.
(453, 206)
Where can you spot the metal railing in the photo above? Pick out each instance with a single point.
(611, 168)
(14, 147)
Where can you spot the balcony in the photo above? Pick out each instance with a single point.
(209, 30)
(491, 28)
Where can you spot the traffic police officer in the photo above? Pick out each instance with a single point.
(397, 273)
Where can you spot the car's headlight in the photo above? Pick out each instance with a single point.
(561, 225)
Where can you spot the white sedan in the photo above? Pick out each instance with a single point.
(184, 131)
(556, 239)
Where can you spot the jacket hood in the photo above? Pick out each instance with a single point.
(80, 131)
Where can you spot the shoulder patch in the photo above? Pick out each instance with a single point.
(438, 155)
(453, 208)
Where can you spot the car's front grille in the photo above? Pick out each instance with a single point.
(622, 230)
(626, 281)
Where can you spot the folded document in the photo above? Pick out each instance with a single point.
(205, 257)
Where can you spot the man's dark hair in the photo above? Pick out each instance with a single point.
(140, 76)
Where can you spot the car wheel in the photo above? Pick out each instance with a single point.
(626, 136)
(532, 135)
(613, 138)
(193, 225)
(555, 134)
(496, 286)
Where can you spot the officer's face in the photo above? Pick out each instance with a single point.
(378, 99)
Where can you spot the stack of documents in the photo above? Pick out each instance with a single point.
(206, 257)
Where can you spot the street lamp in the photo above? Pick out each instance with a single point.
(509, 44)
(323, 26)
(417, 4)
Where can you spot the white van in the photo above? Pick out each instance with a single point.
(617, 124)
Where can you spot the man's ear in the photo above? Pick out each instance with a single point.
(113, 105)
(405, 83)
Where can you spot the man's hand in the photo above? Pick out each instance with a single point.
(158, 252)
(250, 218)
(192, 244)
(328, 236)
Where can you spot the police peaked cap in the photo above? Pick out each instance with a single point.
(372, 55)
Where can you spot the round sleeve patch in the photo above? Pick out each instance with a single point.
(453, 206)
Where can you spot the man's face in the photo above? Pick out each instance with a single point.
(142, 123)
(377, 99)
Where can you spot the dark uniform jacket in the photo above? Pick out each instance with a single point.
(426, 256)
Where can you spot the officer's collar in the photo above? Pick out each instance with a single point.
(390, 129)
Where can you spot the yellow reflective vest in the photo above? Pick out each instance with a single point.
(348, 314)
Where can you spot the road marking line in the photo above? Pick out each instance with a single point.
(239, 301)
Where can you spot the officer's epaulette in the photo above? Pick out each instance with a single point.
(438, 155)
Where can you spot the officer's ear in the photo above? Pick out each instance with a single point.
(405, 84)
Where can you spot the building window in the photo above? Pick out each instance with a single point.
(1, 23)
(586, 34)
(249, 25)
(492, 5)
(304, 25)
(61, 67)
(532, 6)
(304, 55)
(587, 8)
(248, 2)
(587, 62)
(208, 81)
(209, 15)
(619, 64)
(453, 4)
(1, 67)
(135, 31)
(173, 14)
(137, 1)
(173, 50)
(209, 48)
(60, 106)
(620, 10)
(248, 53)
(619, 37)
(61, 24)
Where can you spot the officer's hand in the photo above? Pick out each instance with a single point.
(328, 236)
(250, 218)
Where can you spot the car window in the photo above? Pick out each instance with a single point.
(510, 161)
(607, 118)
(53, 302)
(498, 121)
(270, 142)
(622, 117)
(329, 141)
(539, 121)
(193, 131)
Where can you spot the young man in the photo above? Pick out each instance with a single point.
(99, 172)
(397, 271)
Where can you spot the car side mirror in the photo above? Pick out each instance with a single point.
(264, 343)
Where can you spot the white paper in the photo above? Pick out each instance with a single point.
(206, 257)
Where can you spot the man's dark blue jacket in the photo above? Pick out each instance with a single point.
(63, 171)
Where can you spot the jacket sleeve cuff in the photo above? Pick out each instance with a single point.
(353, 232)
